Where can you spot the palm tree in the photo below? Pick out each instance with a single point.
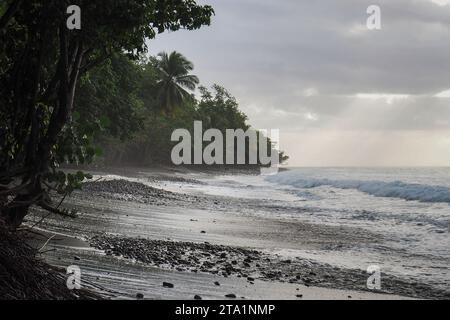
(174, 82)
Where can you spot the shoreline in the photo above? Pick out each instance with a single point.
(110, 275)
(232, 247)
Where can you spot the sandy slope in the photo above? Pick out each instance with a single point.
(199, 219)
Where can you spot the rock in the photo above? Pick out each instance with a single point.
(230, 295)
(202, 231)
(197, 297)
(287, 261)
(349, 297)
(77, 258)
(139, 296)
(168, 285)
(217, 283)
(299, 296)
(250, 279)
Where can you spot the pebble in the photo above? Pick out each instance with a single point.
(168, 285)
(139, 296)
(197, 297)
(230, 295)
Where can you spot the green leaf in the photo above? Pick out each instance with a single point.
(76, 116)
(104, 121)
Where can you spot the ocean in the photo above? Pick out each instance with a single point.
(409, 208)
(397, 219)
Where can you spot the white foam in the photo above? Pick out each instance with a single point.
(392, 189)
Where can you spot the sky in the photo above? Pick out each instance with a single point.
(340, 94)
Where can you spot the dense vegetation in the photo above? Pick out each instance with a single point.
(135, 106)
(69, 96)
(42, 63)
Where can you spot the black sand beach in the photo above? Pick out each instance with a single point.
(135, 238)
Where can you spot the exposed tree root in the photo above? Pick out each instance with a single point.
(24, 276)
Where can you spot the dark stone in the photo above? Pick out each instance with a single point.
(230, 295)
(168, 285)
(217, 283)
(139, 296)
(197, 297)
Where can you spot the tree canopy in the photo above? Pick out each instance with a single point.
(41, 63)
(174, 81)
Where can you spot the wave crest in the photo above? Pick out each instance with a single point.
(394, 189)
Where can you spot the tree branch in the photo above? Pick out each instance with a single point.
(4, 20)
(51, 209)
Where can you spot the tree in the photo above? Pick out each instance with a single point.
(41, 62)
(174, 80)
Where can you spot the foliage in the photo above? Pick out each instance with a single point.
(41, 63)
(152, 144)
(174, 80)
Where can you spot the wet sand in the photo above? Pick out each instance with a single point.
(118, 278)
(210, 232)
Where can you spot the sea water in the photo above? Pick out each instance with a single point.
(409, 208)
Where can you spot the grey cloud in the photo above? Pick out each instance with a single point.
(268, 52)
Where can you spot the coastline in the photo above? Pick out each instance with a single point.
(211, 239)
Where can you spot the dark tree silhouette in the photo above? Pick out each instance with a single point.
(41, 62)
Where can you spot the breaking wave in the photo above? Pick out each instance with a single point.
(393, 189)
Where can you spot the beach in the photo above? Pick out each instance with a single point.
(169, 233)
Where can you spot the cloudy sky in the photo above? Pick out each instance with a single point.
(341, 95)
